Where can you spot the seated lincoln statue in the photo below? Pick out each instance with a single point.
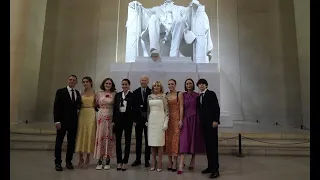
(168, 30)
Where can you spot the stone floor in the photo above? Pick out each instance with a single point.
(238, 127)
(36, 165)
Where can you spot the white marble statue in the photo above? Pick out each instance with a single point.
(185, 30)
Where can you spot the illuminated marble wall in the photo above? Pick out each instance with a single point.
(254, 41)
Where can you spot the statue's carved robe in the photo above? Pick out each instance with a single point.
(151, 23)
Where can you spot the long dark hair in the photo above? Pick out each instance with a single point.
(185, 84)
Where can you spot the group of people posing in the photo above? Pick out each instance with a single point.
(175, 123)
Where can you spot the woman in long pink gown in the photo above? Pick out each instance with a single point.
(105, 137)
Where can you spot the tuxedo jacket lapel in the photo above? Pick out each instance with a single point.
(129, 101)
(139, 94)
(205, 97)
(118, 100)
(66, 93)
(77, 93)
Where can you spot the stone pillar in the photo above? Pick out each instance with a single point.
(229, 59)
(302, 19)
(27, 19)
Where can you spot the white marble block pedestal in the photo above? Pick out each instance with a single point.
(167, 68)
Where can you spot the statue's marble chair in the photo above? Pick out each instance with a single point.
(138, 46)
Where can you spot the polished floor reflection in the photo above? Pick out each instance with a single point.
(36, 165)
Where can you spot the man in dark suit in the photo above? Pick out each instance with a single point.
(142, 94)
(209, 115)
(67, 104)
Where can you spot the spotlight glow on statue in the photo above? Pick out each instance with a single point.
(183, 31)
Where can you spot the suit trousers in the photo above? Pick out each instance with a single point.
(210, 135)
(123, 124)
(140, 129)
(71, 132)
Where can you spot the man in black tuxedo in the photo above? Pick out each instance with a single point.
(142, 94)
(209, 115)
(67, 104)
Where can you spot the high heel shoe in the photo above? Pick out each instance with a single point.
(119, 167)
(174, 170)
(170, 169)
(86, 165)
(180, 170)
(81, 163)
(191, 166)
(155, 165)
(124, 167)
(159, 169)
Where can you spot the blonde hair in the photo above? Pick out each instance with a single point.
(157, 83)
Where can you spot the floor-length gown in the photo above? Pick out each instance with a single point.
(157, 119)
(86, 126)
(191, 140)
(173, 131)
(105, 137)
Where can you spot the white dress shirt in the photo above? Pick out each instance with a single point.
(143, 90)
(70, 93)
(124, 107)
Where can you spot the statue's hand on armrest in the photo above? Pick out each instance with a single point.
(134, 4)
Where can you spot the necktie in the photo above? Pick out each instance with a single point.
(73, 96)
(143, 94)
(201, 97)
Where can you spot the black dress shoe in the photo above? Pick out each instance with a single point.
(214, 175)
(69, 166)
(58, 167)
(136, 163)
(206, 171)
(146, 164)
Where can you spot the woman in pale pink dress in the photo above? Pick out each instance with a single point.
(105, 137)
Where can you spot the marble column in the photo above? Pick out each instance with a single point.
(227, 17)
(108, 47)
(302, 20)
(27, 18)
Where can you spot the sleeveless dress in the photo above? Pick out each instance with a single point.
(191, 139)
(86, 126)
(157, 120)
(173, 131)
(105, 137)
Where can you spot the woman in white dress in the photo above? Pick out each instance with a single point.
(157, 123)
